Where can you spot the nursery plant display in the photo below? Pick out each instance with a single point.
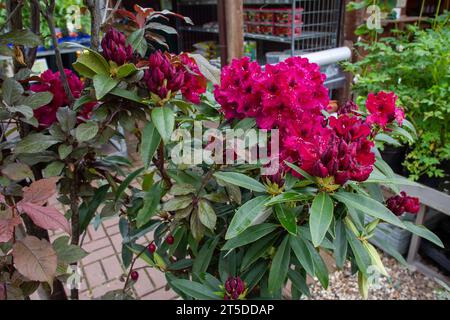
(413, 64)
(223, 227)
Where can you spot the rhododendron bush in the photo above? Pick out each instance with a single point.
(221, 230)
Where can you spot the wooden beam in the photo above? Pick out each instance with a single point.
(234, 25)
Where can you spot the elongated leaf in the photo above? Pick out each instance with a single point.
(177, 203)
(246, 216)
(368, 206)
(195, 290)
(204, 256)
(206, 214)
(257, 250)
(164, 120)
(290, 196)
(279, 267)
(241, 180)
(88, 213)
(254, 275)
(362, 257)
(340, 244)
(321, 215)
(300, 171)
(299, 281)
(151, 201)
(150, 142)
(423, 232)
(124, 185)
(287, 218)
(250, 235)
(320, 268)
(302, 253)
(48, 218)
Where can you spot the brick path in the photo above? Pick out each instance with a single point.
(102, 268)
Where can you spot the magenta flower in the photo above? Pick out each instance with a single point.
(51, 82)
(194, 84)
(383, 110)
(403, 203)
(115, 47)
(234, 288)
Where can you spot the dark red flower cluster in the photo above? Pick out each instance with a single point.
(51, 82)
(168, 74)
(234, 288)
(383, 109)
(290, 96)
(403, 203)
(115, 47)
(275, 96)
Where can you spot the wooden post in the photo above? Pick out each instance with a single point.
(231, 25)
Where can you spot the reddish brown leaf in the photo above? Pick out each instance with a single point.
(40, 191)
(35, 259)
(7, 224)
(48, 217)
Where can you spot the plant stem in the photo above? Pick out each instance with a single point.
(131, 268)
(48, 14)
(159, 163)
(94, 8)
(75, 221)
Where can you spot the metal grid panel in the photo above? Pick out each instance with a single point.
(320, 27)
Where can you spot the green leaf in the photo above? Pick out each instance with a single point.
(90, 63)
(362, 257)
(164, 120)
(67, 118)
(250, 235)
(182, 189)
(423, 232)
(257, 250)
(12, 91)
(149, 144)
(203, 259)
(64, 150)
(125, 183)
(68, 253)
(138, 41)
(301, 251)
(127, 94)
(151, 202)
(279, 267)
(402, 132)
(299, 281)
(206, 214)
(246, 216)
(37, 99)
(54, 169)
(382, 137)
(320, 268)
(195, 290)
(177, 203)
(287, 218)
(103, 84)
(253, 276)
(241, 180)
(289, 196)
(321, 215)
(86, 131)
(87, 212)
(35, 143)
(126, 70)
(340, 244)
(368, 206)
(300, 171)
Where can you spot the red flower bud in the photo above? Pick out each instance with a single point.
(115, 47)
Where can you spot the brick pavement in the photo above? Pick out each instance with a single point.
(102, 268)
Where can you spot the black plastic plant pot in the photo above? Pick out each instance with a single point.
(394, 157)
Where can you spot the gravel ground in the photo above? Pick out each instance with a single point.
(403, 284)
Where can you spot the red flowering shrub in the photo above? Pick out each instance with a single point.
(383, 110)
(403, 203)
(115, 47)
(51, 82)
(194, 82)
